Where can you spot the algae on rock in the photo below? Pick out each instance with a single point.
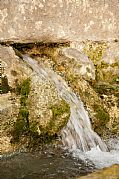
(22, 123)
(95, 52)
(34, 129)
(106, 59)
(59, 119)
(99, 53)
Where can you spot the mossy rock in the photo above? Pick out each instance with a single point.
(19, 130)
(35, 132)
(4, 86)
(106, 89)
(60, 117)
(95, 51)
(21, 125)
(102, 118)
(23, 88)
(101, 114)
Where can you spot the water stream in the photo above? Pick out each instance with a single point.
(78, 135)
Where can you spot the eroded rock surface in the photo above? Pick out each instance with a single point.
(58, 20)
(85, 68)
(31, 104)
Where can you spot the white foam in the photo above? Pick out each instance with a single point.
(99, 158)
(103, 159)
(78, 135)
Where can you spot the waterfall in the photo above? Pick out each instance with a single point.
(78, 133)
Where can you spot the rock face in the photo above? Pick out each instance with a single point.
(90, 65)
(37, 109)
(58, 20)
(87, 76)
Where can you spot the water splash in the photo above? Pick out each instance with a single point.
(78, 133)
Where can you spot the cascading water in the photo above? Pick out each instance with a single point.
(78, 133)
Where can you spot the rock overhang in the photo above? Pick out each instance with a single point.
(58, 21)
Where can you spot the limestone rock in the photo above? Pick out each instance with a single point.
(105, 57)
(58, 20)
(46, 109)
(83, 65)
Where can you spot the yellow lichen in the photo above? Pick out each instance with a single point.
(95, 51)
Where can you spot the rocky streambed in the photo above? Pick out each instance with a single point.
(49, 163)
(31, 111)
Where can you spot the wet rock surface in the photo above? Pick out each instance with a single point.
(111, 172)
(90, 67)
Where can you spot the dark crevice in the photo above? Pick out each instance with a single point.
(23, 48)
(38, 44)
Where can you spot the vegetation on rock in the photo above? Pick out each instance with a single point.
(106, 89)
(60, 116)
(22, 123)
(36, 133)
(61, 111)
(4, 87)
(91, 97)
(101, 114)
(95, 52)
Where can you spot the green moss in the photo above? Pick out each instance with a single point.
(33, 127)
(24, 114)
(23, 100)
(56, 123)
(58, 110)
(48, 133)
(102, 118)
(103, 65)
(4, 87)
(22, 122)
(60, 117)
(44, 137)
(106, 89)
(95, 51)
(19, 129)
(23, 88)
(101, 114)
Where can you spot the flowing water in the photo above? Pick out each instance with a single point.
(78, 135)
(88, 150)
